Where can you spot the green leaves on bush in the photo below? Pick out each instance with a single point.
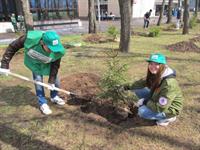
(154, 32)
(193, 22)
(112, 31)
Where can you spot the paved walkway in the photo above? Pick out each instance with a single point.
(6, 38)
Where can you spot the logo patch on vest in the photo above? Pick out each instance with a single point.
(163, 101)
(55, 42)
(38, 56)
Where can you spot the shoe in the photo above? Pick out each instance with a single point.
(45, 109)
(165, 122)
(58, 100)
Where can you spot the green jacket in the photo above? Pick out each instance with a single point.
(167, 98)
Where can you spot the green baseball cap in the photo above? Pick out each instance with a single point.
(52, 40)
(158, 58)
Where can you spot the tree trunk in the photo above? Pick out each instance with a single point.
(92, 17)
(196, 7)
(180, 7)
(161, 13)
(186, 17)
(38, 4)
(28, 18)
(125, 14)
(56, 8)
(5, 10)
(169, 14)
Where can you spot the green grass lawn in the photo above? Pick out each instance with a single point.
(23, 127)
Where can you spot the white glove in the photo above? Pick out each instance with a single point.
(140, 102)
(4, 71)
(52, 87)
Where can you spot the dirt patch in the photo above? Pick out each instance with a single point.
(195, 39)
(185, 46)
(98, 38)
(134, 33)
(85, 85)
(170, 29)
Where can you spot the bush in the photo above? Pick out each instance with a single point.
(154, 32)
(113, 31)
(193, 22)
(112, 78)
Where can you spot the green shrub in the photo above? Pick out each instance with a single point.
(193, 22)
(113, 31)
(154, 32)
(114, 76)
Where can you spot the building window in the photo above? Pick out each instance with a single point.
(7, 7)
(53, 9)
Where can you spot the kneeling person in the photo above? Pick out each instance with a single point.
(160, 97)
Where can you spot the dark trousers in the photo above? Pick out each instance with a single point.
(146, 23)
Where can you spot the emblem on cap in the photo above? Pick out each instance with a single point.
(163, 101)
(154, 57)
(55, 42)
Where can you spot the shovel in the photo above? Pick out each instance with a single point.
(41, 83)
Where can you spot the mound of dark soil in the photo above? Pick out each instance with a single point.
(185, 46)
(85, 86)
(145, 34)
(98, 38)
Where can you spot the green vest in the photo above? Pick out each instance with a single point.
(37, 59)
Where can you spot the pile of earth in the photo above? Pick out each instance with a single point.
(98, 38)
(85, 86)
(185, 46)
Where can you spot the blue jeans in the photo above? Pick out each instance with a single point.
(144, 111)
(40, 89)
(146, 23)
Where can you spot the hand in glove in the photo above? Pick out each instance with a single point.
(4, 71)
(140, 102)
(52, 87)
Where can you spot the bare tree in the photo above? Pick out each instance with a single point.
(161, 13)
(56, 8)
(125, 14)
(186, 17)
(5, 10)
(27, 15)
(169, 13)
(180, 9)
(196, 7)
(92, 17)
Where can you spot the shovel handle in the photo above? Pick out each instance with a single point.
(38, 82)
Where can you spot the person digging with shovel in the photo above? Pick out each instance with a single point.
(159, 96)
(42, 55)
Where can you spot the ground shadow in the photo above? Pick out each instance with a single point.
(167, 139)
(130, 126)
(18, 96)
(87, 54)
(22, 141)
(190, 84)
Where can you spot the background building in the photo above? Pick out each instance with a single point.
(41, 9)
(44, 10)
